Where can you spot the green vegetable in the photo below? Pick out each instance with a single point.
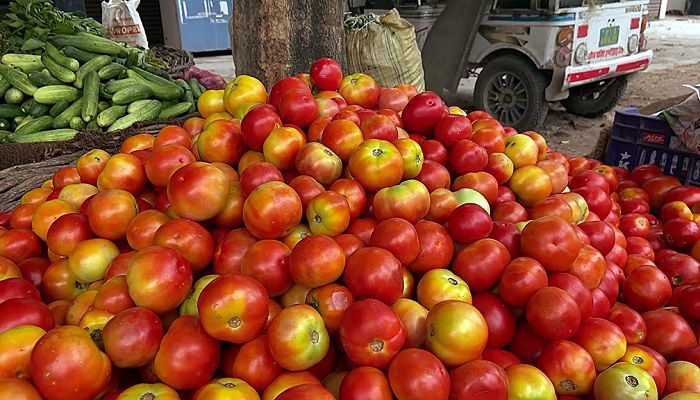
(108, 116)
(91, 43)
(114, 86)
(68, 62)
(76, 123)
(53, 135)
(80, 55)
(102, 105)
(4, 85)
(18, 79)
(35, 109)
(91, 96)
(27, 24)
(4, 124)
(26, 62)
(131, 94)
(148, 112)
(92, 125)
(38, 124)
(42, 78)
(174, 110)
(14, 96)
(162, 88)
(74, 110)
(4, 135)
(110, 71)
(9, 111)
(61, 73)
(91, 66)
(59, 108)
(52, 94)
(133, 107)
(194, 86)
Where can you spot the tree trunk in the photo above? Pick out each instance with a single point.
(271, 39)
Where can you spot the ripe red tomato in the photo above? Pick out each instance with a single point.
(234, 308)
(508, 235)
(520, 279)
(526, 344)
(13, 288)
(590, 178)
(452, 128)
(668, 332)
(66, 232)
(316, 261)
(531, 382)
(372, 272)
(123, 171)
(435, 247)
(326, 74)
(603, 340)
(553, 313)
(190, 239)
(434, 150)
(469, 223)
(646, 288)
(589, 266)
(576, 289)
(680, 232)
(499, 319)
(569, 367)
(657, 187)
(25, 311)
(467, 156)
(159, 278)
(18, 245)
(230, 250)
(448, 322)
(551, 241)
(354, 193)
(371, 333)
(479, 380)
(267, 261)
(90, 164)
(359, 89)
(198, 191)
(272, 210)
(414, 372)
(423, 112)
(298, 107)
(131, 339)
(365, 382)
(434, 175)
(408, 200)
(188, 356)
(376, 164)
(113, 296)
(630, 322)
(481, 264)
(399, 237)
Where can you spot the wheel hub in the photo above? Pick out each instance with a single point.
(506, 98)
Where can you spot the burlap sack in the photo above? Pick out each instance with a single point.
(386, 50)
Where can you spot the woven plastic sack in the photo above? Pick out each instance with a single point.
(385, 49)
(123, 22)
(684, 119)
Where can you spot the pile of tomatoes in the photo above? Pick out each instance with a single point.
(332, 239)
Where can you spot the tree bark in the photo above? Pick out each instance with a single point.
(271, 39)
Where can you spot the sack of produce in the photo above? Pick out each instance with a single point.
(385, 48)
(123, 22)
(684, 119)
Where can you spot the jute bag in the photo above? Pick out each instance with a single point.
(385, 49)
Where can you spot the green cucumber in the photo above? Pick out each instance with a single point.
(194, 86)
(59, 107)
(162, 88)
(9, 111)
(76, 123)
(60, 72)
(18, 79)
(14, 96)
(174, 110)
(52, 94)
(43, 78)
(133, 107)
(110, 115)
(26, 62)
(93, 65)
(4, 85)
(91, 96)
(36, 125)
(80, 55)
(34, 108)
(68, 62)
(52, 135)
(149, 111)
(74, 110)
(110, 71)
(131, 94)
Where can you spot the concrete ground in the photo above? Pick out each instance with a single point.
(676, 45)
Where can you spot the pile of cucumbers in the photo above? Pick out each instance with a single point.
(85, 82)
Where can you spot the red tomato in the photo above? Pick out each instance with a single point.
(326, 74)
(132, 337)
(13, 288)
(371, 333)
(576, 289)
(365, 382)
(508, 235)
(414, 372)
(230, 250)
(680, 232)
(399, 237)
(569, 366)
(392, 98)
(66, 232)
(123, 171)
(159, 278)
(590, 178)
(499, 319)
(434, 175)
(234, 308)
(359, 89)
(448, 322)
(319, 162)
(306, 391)
(521, 278)
(527, 345)
(113, 296)
(533, 383)
(603, 340)
(469, 223)
(481, 264)
(646, 288)
(376, 164)
(657, 187)
(189, 238)
(188, 356)
(372, 272)
(25, 311)
(328, 214)
(453, 128)
(598, 200)
(551, 241)
(66, 364)
(423, 112)
(630, 322)
(434, 151)
(198, 191)
(667, 332)
(271, 210)
(553, 313)
(254, 364)
(479, 380)
(467, 156)
(316, 260)
(354, 193)
(589, 266)
(267, 261)
(306, 187)
(90, 164)
(164, 161)
(298, 107)
(435, 247)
